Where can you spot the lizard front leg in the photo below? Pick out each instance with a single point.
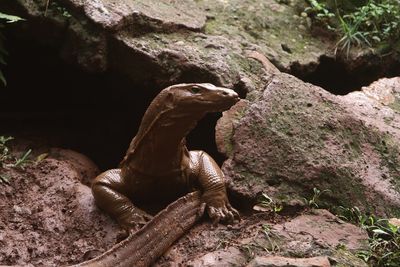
(109, 191)
(206, 172)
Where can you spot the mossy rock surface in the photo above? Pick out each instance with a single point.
(294, 137)
(165, 42)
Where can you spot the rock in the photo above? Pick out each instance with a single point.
(50, 218)
(165, 42)
(165, 61)
(224, 258)
(314, 234)
(386, 91)
(395, 222)
(325, 230)
(130, 15)
(84, 166)
(378, 104)
(225, 126)
(276, 261)
(294, 137)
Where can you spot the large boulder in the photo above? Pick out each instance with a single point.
(293, 137)
(164, 42)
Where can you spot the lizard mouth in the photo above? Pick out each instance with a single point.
(217, 105)
(225, 105)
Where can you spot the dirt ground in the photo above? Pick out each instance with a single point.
(48, 218)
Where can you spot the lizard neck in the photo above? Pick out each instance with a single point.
(159, 146)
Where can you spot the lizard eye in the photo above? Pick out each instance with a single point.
(195, 90)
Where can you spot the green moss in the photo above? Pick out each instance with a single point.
(395, 105)
(228, 143)
(249, 178)
(313, 143)
(388, 120)
(344, 258)
(387, 147)
(339, 182)
(267, 24)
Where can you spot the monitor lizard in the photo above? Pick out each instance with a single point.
(158, 165)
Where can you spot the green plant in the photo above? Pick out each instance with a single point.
(384, 237)
(362, 23)
(320, 13)
(4, 19)
(266, 203)
(313, 202)
(64, 12)
(40, 158)
(23, 160)
(4, 179)
(378, 20)
(267, 231)
(351, 36)
(4, 150)
(6, 157)
(248, 250)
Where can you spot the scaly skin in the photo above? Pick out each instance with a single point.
(150, 242)
(157, 166)
(158, 163)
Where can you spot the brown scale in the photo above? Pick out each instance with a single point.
(158, 165)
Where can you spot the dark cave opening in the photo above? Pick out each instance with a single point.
(340, 77)
(95, 114)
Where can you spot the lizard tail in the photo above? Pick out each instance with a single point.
(146, 245)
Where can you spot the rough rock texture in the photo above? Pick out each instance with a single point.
(225, 257)
(326, 231)
(164, 42)
(294, 137)
(162, 15)
(85, 167)
(275, 261)
(282, 141)
(314, 234)
(378, 105)
(48, 217)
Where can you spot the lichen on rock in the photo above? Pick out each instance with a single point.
(295, 137)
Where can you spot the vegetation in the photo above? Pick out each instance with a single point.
(313, 201)
(22, 161)
(8, 160)
(363, 23)
(4, 19)
(56, 7)
(268, 233)
(4, 151)
(266, 203)
(384, 237)
(384, 234)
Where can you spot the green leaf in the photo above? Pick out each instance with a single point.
(2, 79)
(41, 157)
(2, 61)
(4, 179)
(20, 162)
(10, 18)
(380, 232)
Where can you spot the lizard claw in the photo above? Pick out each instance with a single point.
(235, 213)
(222, 213)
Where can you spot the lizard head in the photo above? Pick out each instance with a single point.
(203, 97)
